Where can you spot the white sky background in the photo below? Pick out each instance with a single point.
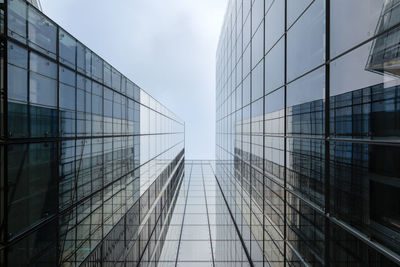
(167, 47)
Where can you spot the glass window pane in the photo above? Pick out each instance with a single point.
(257, 45)
(17, 120)
(38, 248)
(42, 66)
(246, 32)
(67, 49)
(257, 14)
(116, 80)
(305, 102)
(257, 81)
(80, 57)
(353, 22)
(17, 19)
(17, 73)
(364, 90)
(295, 8)
(378, 167)
(42, 32)
(246, 91)
(275, 101)
(80, 100)
(17, 83)
(67, 97)
(43, 90)
(305, 41)
(107, 74)
(274, 24)
(31, 172)
(17, 55)
(97, 68)
(42, 83)
(306, 89)
(67, 76)
(275, 67)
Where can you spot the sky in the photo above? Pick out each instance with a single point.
(167, 47)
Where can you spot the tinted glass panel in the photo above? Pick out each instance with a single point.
(305, 102)
(67, 49)
(17, 19)
(257, 81)
(353, 22)
(42, 32)
(306, 44)
(373, 194)
(257, 45)
(31, 172)
(365, 92)
(274, 24)
(295, 8)
(275, 67)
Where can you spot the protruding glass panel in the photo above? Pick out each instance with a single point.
(42, 33)
(67, 49)
(17, 11)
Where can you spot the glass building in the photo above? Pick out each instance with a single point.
(308, 130)
(90, 163)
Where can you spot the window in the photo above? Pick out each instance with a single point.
(42, 33)
(354, 21)
(274, 24)
(257, 81)
(305, 41)
(116, 80)
(257, 45)
(107, 74)
(275, 67)
(17, 19)
(295, 8)
(17, 72)
(43, 84)
(67, 49)
(97, 68)
(31, 169)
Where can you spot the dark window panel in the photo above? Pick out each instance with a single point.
(364, 178)
(32, 187)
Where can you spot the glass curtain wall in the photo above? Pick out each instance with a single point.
(89, 161)
(308, 129)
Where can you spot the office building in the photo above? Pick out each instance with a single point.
(90, 163)
(308, 130)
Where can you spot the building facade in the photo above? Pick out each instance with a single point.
(308, 130)
(90, 162)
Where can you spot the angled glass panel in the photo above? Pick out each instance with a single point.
(67, 49)
(42, 33)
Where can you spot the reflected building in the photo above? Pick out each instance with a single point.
(308, 130)
(90, 163)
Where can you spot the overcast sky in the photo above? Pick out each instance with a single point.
(167, 47)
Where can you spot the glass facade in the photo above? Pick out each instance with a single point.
(201, 231)
(308, 130)
(90, 162)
